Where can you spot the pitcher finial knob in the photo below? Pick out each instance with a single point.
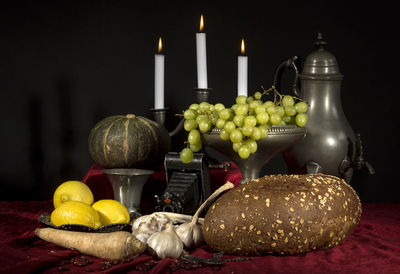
(320, 41)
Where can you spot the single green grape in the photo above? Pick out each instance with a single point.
(224, 135)
(280, 110)
(229, 126)
(252, 145)
(264, 131)
(242, 109)
(249, 99)
(225, 114)
(254, 104)
(188, 125)
(194, 106)
(194, 137)
(186, 155)
(220, 123)
(238, 120)
(236, 136)
(287, 119)
(205, 125)
(201, 117)
(257, 95)
(262, 118)
(256, 135)
(214, 116)
(196, 147)
(234, 107)
(271, 109)
(275, 119)
(290, 111)
(244, 151)
(259, 109)
(250, 121)
(301, 119)
(236, 146)
(219, 107)
(241, 99)
(287, 101)
(190, 114)
(268, 104)
(204, 107)
(247, 130)
(301, 107)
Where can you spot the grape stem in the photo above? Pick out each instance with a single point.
(276, 94)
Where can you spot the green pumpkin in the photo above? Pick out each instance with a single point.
(128, 141)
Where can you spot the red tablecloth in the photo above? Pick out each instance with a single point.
(373, 247)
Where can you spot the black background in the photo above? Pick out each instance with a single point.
(64, 65)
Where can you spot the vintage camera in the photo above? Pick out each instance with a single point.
(188, 185)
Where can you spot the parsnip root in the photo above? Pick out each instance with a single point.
(111, 246)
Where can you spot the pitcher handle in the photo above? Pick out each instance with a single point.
(289, 63)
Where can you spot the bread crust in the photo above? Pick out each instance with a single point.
(284, 214)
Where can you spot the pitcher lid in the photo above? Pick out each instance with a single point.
(321, 62)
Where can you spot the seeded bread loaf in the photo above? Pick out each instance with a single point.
(284, 214)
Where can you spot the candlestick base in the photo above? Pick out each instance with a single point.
(202, 94)
(159, 115)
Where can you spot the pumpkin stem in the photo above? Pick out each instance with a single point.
(130, 116)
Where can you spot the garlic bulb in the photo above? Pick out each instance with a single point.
(165, 243)
(190, 233)
(158, 224)
(143, 232)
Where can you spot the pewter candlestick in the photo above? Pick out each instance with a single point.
(202, 94)
(159, 115)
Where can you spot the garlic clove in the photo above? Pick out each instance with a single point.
(165, 243)
(190, 234)
(157, 220)
(143, 232)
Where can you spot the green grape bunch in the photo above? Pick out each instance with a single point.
(244, 123)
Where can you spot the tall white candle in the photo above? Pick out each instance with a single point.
(242, 72)
(201, 57)
(159, 78)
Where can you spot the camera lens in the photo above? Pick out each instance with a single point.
(169, 208)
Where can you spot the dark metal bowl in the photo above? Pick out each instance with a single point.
(45, 220)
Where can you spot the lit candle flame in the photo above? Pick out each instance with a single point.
(159, 45)
(242, 47)
(201, 23)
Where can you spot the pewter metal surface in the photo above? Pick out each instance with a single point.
(127, 185)
(330, 138)
(279, 139)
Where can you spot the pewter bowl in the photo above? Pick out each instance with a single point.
(279, 139)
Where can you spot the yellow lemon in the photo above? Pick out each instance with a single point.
(111, 212)
(75, 212)
(72, 191)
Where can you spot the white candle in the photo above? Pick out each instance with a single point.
(159, 78)
(242, 72)
(201, 57)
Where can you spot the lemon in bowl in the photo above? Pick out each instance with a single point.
(75, 212)
(72, 191)
(111, 212)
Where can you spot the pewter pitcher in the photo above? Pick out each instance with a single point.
(330, 145)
